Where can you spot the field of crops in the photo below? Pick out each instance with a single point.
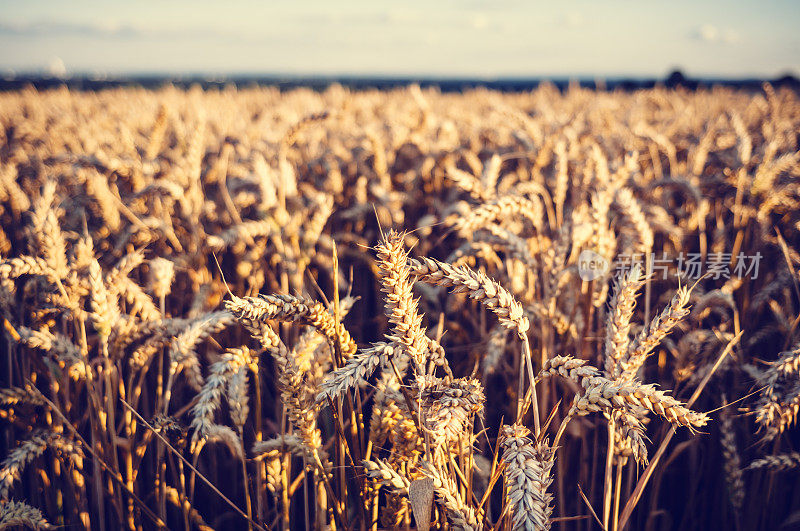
(400, 309)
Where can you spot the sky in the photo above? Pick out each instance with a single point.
(483, 38)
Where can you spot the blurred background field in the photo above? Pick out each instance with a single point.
(479, 266)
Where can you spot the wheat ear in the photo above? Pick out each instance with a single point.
(356, 370)
(777, 462)
(730, 452)
(12, 466)
(15, 514)
(479, 287)
(650, 337)
(183, 349)
(208, 400)
(601, 393)
(400, 304)
(528, 474)
(459, 513)
(623, 302)
(265, 308)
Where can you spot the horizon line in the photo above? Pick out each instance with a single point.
(210, 76)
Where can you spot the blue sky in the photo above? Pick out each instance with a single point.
(445, 37)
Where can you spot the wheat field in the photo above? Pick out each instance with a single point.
(402, 309)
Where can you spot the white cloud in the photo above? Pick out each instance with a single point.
(56, 68)
(573, 19)
(708, 33)
(401, 16)
(480, 21)
(730, 36)
(50, 27)
(713, 34)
